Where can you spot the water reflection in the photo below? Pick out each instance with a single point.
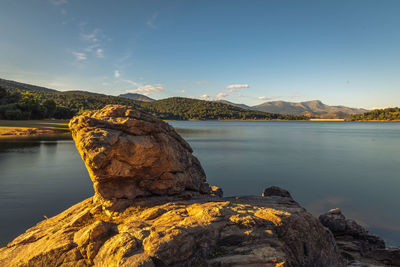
(38, 177)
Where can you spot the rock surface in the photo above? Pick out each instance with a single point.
(358, 246)
(165, 231)
(129, 153)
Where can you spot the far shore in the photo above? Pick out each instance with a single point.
(27, 128)
(327, 119)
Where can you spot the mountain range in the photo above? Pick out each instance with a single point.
(314, 108)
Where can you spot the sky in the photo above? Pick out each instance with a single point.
(342, 52)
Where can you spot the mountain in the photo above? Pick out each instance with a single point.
(234, 104)
(137, 97)
(70, 103)
(314, 108)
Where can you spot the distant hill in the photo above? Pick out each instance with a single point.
(174, 108)
(313, 108)
(7, 84)
(137, 97)
(234, 104)
(387, 114)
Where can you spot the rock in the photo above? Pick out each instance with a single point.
(357, 245)
(217, 191)
(276, 191)
(168, 231)
(129, 153)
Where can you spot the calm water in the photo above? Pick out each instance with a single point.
(354, 166)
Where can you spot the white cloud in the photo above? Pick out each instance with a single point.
(241, 95)
(146, 94)
(222, 95)
(100, 53)
(79, 56)
(205, 96)
(147, 88)
(182, 91)
(105, 84)
(263, 98)
(237, 86)
(117, 74)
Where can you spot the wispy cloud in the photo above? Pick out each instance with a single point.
(93, 36)
(94, 40)
(221, 95)
(181, 91)
(201, 82)
(117, 74)
(263, 98)
(148, 88)
(79, 56)
(237, 86)
(130, 82)
(151, 22)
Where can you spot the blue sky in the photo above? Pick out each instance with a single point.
(341, 52)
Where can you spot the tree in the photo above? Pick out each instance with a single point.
(50, 106)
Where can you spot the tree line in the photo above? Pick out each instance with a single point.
(25, 106)
(387, 114)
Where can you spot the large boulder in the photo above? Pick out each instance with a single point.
(129, 153)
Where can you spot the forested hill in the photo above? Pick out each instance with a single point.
(13, 85)
(71, 103)
(387, 114)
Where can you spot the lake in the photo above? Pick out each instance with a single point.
(324, 165)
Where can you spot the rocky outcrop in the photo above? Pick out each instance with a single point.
(358, 246)
(166, 231)
(129, 153)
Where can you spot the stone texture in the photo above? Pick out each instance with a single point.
(166, 231)
(358, 246)
(129, 153)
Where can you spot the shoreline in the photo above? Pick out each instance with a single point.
(32, 128)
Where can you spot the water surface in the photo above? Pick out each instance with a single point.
(351, 165)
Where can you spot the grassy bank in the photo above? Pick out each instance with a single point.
(28, 127)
